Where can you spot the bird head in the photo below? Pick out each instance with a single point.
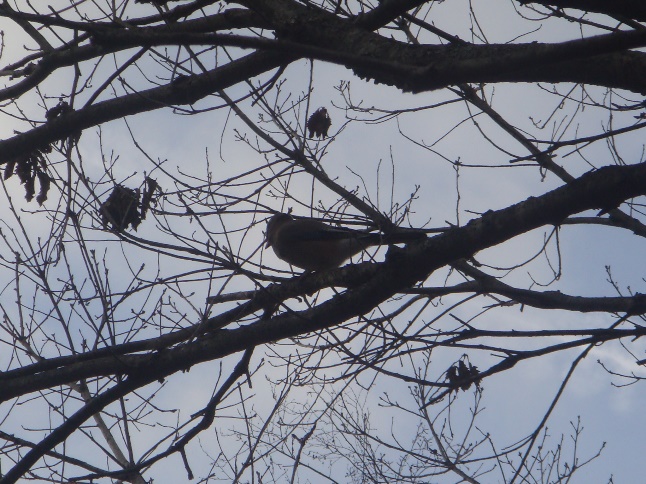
(273, 226)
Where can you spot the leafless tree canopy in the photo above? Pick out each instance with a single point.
(146, 333)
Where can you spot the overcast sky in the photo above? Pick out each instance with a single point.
(364, 155)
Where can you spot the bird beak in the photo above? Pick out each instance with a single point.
(268, 244)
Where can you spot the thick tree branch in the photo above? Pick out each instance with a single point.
(425, 67)
(603, 188)
(183, 91)
(554, 299)
(602, 60)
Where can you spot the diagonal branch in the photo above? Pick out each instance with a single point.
(184, 91)
(603, 188)
(552, 299)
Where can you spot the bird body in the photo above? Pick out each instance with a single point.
(313, 245)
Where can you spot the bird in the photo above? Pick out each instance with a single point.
(313, 245)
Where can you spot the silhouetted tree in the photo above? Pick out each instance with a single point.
(146, 333)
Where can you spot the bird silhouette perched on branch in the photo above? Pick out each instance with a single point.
(313, 245)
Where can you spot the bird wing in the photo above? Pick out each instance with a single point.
(311, 230)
